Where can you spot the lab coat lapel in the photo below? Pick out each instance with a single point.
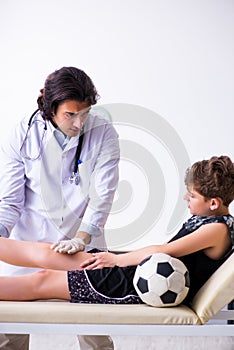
(50, 178)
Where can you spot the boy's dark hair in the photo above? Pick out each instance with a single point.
(212, 178)
(67, 83)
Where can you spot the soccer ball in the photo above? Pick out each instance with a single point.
(161, 280)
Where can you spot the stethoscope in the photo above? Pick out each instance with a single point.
(75, 176)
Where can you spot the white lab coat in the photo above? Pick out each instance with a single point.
(37, 201)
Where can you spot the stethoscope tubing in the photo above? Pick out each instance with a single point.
(75, 177)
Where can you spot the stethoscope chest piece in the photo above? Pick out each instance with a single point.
(74, 178)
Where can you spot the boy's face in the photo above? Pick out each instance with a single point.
(197, 204)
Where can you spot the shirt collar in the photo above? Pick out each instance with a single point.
(61, 138)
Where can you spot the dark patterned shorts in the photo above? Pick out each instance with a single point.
(81, 291)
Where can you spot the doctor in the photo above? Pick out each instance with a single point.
(59, 173)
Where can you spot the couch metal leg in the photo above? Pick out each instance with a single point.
(231, 307)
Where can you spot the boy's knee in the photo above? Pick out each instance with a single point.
(39, 280)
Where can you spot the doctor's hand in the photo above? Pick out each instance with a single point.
(70, 246)
(100, 260)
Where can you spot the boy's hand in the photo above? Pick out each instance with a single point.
(100, 260)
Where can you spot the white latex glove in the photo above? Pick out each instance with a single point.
(70, 246)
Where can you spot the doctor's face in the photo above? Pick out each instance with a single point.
(70, 116)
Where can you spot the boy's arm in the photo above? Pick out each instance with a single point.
(107, 259)
(213, 238)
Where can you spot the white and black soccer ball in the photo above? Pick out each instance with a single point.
(161, 280)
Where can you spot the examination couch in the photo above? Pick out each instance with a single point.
(207, 316)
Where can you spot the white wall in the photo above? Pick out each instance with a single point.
(172, 57)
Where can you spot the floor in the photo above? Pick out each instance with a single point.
(61, 342)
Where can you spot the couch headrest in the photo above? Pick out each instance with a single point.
(216, 293)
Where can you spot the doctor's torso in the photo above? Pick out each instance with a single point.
(44, 204)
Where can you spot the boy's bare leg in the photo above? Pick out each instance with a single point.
(38, 254)
(45, 284)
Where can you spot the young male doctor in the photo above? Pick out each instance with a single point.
(59, 173)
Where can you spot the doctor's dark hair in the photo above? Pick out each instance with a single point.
(212, 178)
(67, 83)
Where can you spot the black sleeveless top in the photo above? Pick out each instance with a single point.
(117, 282)
(199, 265)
